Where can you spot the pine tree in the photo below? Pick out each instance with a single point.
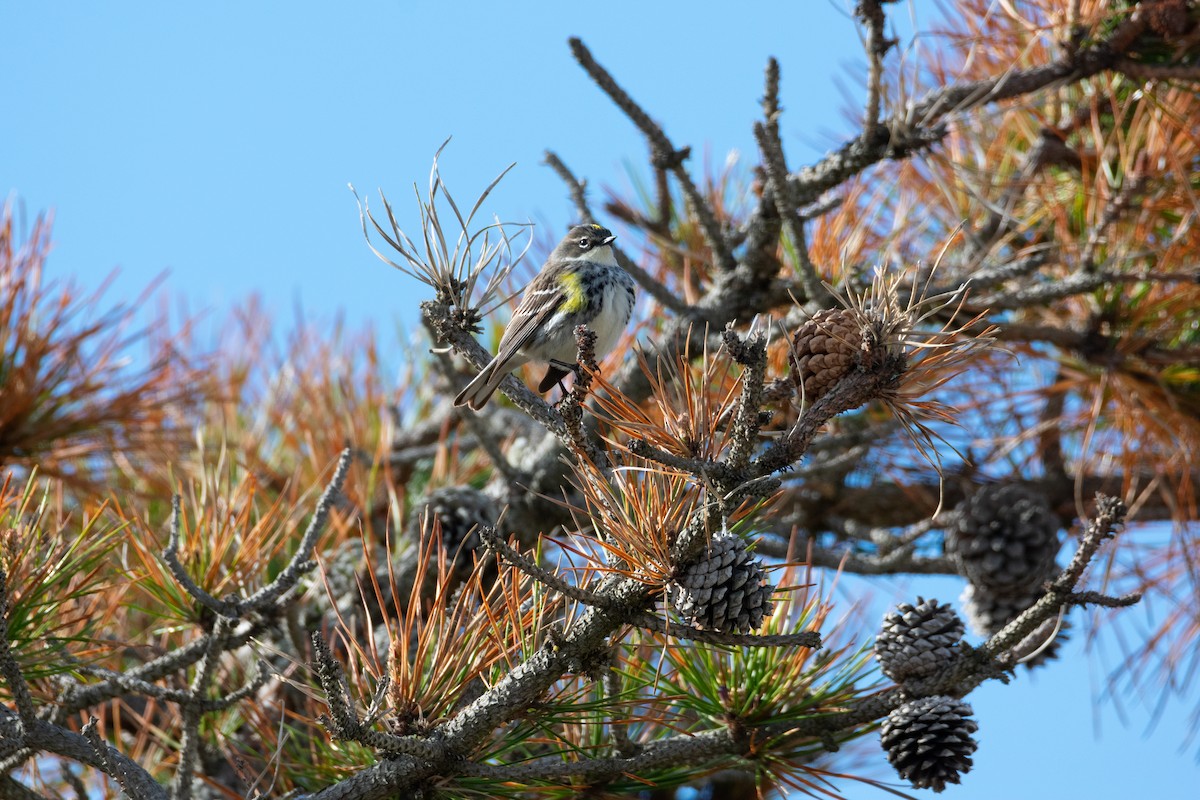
(962, 343)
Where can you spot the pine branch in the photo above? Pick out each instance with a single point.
(493, 541)
(923, 124)
(870, 12)
(9, 668)
(771, 147)
(663, 153)
(811, 639)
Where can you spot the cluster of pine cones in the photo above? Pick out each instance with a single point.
(927, 740)
(1004, 542)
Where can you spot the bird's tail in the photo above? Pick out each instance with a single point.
(484, 385)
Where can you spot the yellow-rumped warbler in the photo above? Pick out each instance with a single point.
(580, 284)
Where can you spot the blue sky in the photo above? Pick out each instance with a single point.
(214, 142)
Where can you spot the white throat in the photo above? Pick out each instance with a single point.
(603, 256)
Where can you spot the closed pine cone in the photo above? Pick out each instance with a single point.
(824, 350)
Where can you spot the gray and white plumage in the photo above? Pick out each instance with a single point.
(580, 284)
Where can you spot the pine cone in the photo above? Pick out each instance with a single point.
(929, 741)
(462, 511)
(824, 349)
(917, 641)
(1005, 540)
(1168, 18)
(725, 590)
(988, 612)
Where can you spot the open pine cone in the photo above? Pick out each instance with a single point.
(462, 511)
(929, 741)
(1005, 540)
(917, 641)
(725, 590)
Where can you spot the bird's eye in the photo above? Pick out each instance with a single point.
(584, 243)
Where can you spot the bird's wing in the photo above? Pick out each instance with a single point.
(537, 306)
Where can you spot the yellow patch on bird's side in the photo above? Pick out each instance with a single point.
(573, 287)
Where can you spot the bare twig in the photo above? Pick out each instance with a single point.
(752, 355)
(129, 685)
(1110, 515)
(969, 672)
(81, 697)
(696, 466)
(877, 46)
(657, 625)
(663, 152)
(571, 407)
(1104, 600)
(771, 148)
(301, 562)
(495, 542)
(189, 746)
(576, 187)
(344, 723)
(136, 782)
(170, 555)
(654, 288)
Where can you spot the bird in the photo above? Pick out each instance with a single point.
(581, 283)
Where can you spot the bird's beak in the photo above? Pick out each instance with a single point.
(608, 240)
